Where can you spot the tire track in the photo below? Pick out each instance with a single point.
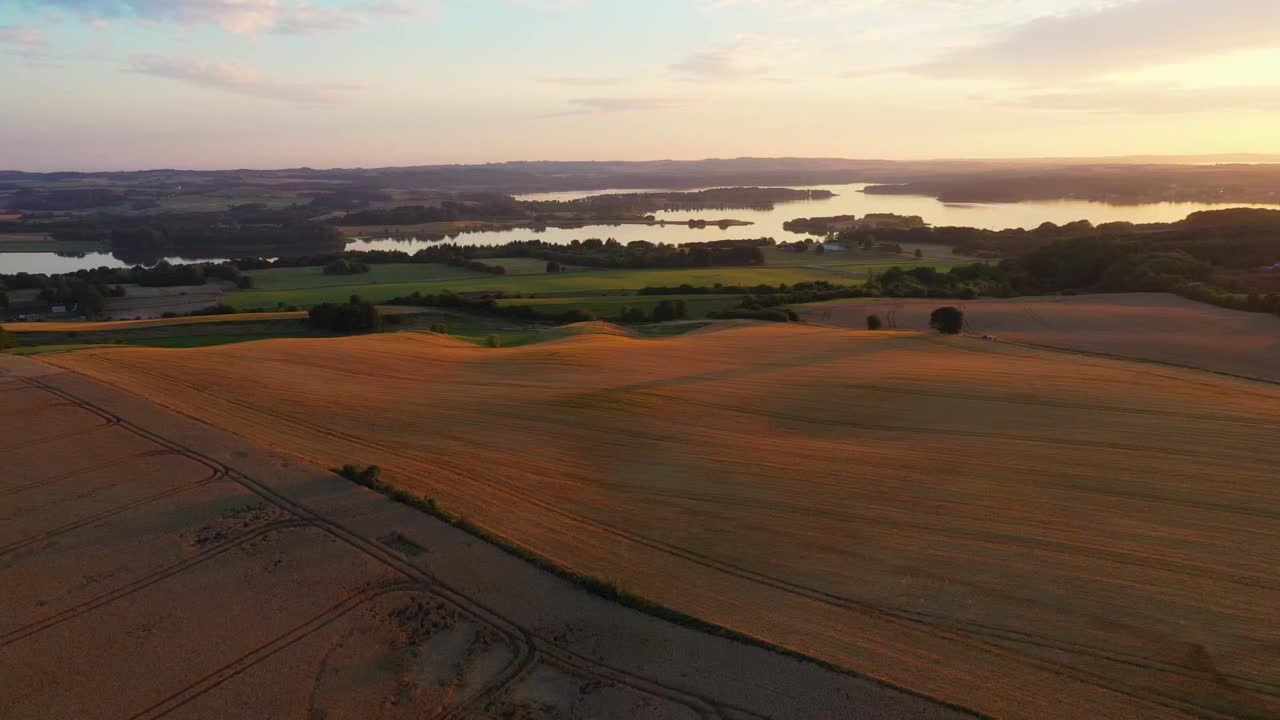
(90, 519)
(265, 651)
(525, 644)
(53, 438)
(124, 459)
(144, 582)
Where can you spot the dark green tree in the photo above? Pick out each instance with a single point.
(89, 298)
(633, 314)
(669, 310)
(947, 320)
(874, 322)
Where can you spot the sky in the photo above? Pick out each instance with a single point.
(134, 84)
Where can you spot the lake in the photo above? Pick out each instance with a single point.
(849, 200)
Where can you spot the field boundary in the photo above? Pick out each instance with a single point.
(611, 592)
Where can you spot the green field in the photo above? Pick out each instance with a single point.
(299, 278)
(610, 307)
(306, 290)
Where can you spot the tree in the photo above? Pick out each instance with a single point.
(633, 314)
(947, 320)
(493, 341)
(6, 340)
(919, 253)
(669, 310)
(874, 322)
(346, 266)
(554, 267)
(355, 316)
(89, 298)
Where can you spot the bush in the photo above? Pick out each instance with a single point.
(440, 328)
(947, 320)
(363, 475)
(669, 310)
(346, 266)
(874, 322)
(633, 314)
(7, 340)
(493, 341)
(222, 309)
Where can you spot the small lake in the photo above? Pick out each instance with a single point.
(849, 200)
(52, 263)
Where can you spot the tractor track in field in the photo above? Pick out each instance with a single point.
(145, 582)
(122, 460)
(975, 636)
(96, 517)
(529, 649)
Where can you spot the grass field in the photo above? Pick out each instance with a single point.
(301, 278)
(697, 306)
(586, 282)
(204, 331)
(1027, 533)
(108, 325)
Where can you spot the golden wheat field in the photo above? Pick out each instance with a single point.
(1149, 326)
(1025, 533)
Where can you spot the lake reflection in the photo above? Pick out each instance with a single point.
(849, 200)
(52, 263)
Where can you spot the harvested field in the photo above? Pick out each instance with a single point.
(61, 327)
(1146, 326)
(155, 567)
(1022, 532)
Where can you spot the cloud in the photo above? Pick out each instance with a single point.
(832, 8)
(581, 81)
(27, 42)
(236, 78)
(744, 56)
(241, 16)
(1161, 101)
(594, 105)
(1121, 36)
(22, 36)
